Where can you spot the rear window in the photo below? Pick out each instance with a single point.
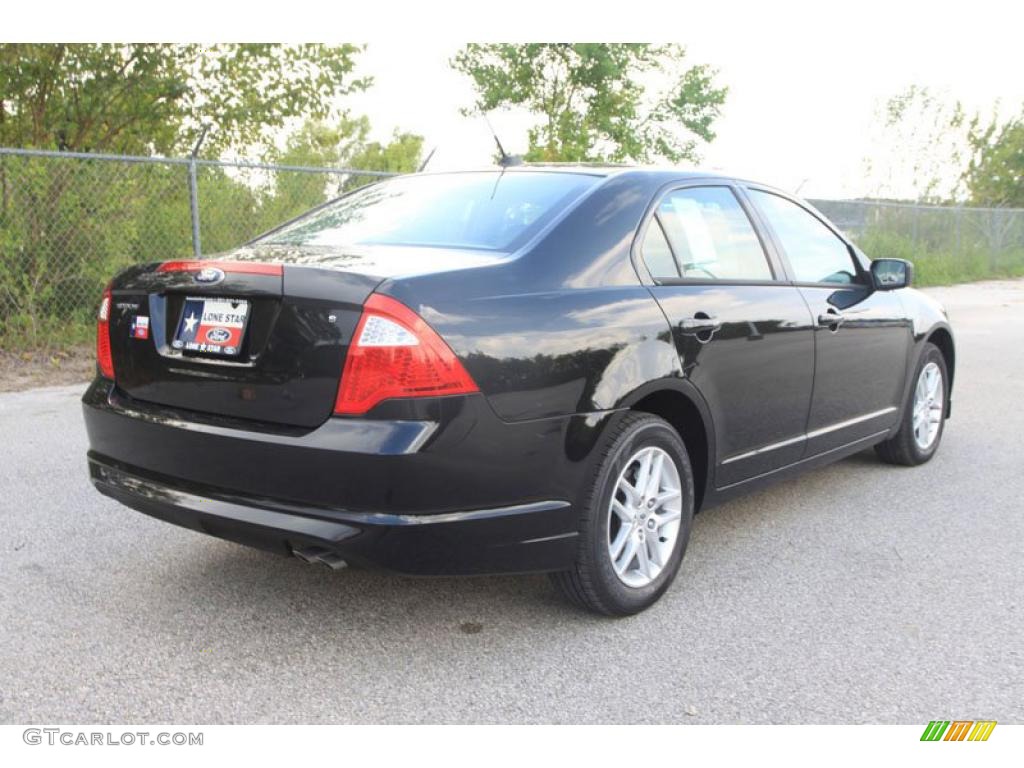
(486, 211)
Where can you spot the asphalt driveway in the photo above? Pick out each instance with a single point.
(858, 593)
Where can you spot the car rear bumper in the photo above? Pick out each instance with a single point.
(513, 539)
(464, 493)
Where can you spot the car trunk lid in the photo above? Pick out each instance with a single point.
(298, 321)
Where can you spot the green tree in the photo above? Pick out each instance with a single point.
(143, 98)
(345, 144)
(995, 173)
(400, 155)
(594, 100)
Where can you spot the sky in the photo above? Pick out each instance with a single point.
(805, 77)
(804, 84)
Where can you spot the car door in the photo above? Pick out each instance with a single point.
(862, 335)
(744, 336)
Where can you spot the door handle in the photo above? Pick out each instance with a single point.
(700, 323)
(831, 317)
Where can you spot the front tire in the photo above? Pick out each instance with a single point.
(636, 519)
(924, 415)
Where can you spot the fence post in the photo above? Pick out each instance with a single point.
(193, 194)
(959, 227)
(999, 228)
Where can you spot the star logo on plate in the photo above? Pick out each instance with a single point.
(190, 322)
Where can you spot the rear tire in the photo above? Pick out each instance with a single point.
(635, 522)
(924, 414)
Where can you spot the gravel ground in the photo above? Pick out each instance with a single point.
(858, 593)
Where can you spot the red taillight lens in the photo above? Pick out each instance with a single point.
(103, 357)
(394, 353)
(232, 267)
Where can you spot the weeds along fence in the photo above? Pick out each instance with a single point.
(69, 221)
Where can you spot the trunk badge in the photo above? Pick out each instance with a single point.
(209, 275)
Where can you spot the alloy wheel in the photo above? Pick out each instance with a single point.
(929, 401)
(644, 516)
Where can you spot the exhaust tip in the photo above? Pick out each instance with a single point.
(319, 555)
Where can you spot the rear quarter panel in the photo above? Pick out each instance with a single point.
(563, 327)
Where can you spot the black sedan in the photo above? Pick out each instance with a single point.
(529, 369)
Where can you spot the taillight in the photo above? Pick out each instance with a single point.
(394, 353)
(103, 357)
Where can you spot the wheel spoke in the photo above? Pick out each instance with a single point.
(624, 514)
(654, 481)
(664, 518)
(615, 548)
(627, 556)
(632, 496)
(643, 559)
(644, 473)
(654, 555)
(670, 494)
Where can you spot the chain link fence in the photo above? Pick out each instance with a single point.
(948, 244)
(69, 221)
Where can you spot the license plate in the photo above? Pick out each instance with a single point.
(212, 326)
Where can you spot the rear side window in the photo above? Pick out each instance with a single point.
(711, 236)
(657, 253)
(814, 251)
(487, 210)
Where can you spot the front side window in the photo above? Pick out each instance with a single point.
(815, 253)
(487, 210)
(711, 236)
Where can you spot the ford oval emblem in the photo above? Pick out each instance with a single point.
(218, 335)
(209, 275)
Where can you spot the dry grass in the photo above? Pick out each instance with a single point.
(28, 369)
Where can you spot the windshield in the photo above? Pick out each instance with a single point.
(486, 210)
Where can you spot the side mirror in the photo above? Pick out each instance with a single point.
(890, 274)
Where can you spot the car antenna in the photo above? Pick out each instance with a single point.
(423, 165)
(507, 160)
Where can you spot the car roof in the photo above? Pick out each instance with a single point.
(593, 169)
